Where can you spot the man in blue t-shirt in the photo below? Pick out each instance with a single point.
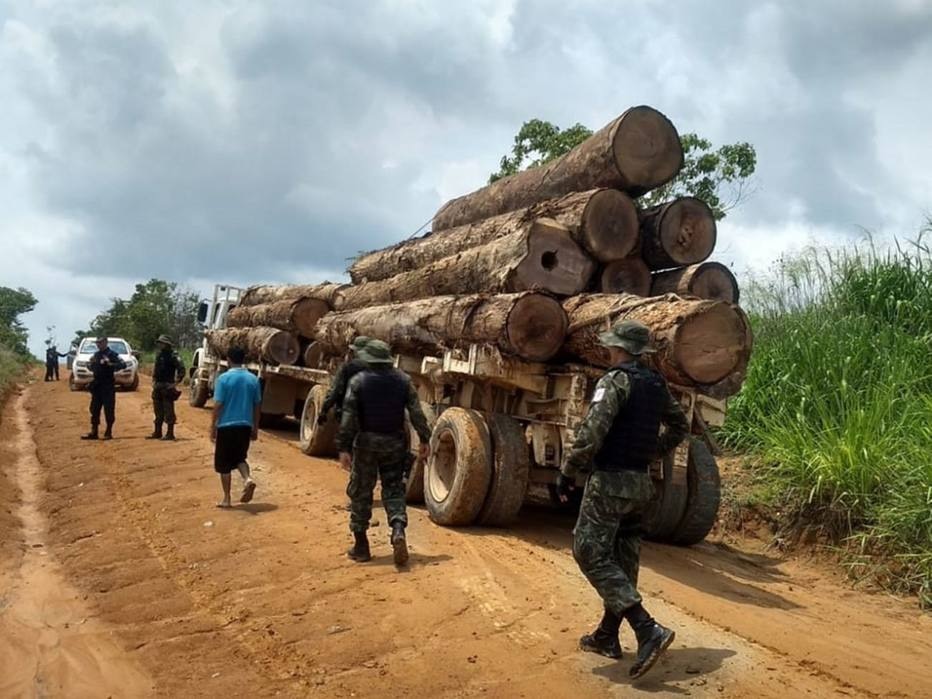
(237, 400)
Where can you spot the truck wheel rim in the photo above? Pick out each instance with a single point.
(443, 467)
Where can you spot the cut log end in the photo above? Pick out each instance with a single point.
(708, 280)
(313, 355)
(687, 231)
(712, 344)
(610, 226)
(282, 347)
(628, 276)
(536, 327)
(554, 262)
(306, 314)
(647, 149)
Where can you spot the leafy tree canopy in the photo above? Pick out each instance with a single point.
(14, 303)
(719, 176)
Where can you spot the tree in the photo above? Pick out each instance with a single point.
(13, 303)
(718, 176)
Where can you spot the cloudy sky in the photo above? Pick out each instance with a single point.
(236, 141)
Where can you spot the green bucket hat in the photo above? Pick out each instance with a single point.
(630, 335)
(375, 352)
(359, 343)
(165, 340)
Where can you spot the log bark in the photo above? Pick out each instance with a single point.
(637, 152)
(544, 257)
(709, 280)
(528, 325)
(603, 221)
(327, 292)
(260, 344)
(699, 342)
(679, 232)
(627, 276)
(298, 316)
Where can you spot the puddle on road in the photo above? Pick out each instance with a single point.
(51, 646)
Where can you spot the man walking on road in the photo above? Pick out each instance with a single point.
(167, 373)
(341, 380)
(373, 445)
(615, 444)
(237, 402)
(103, 364)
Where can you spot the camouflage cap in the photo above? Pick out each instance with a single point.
(630, 335)
(375, 352)
(360, 342)
(165, 340)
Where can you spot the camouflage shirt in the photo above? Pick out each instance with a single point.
(611, 394)
(349, 423)
(337, 390)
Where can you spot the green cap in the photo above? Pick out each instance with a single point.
(375, 352)
(359, 343)
(165, 340)
(631, 335)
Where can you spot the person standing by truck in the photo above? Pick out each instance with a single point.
(103, 364)
(235, 423)
(337, 392)
(51, 362)
(167, 373)
(373, 446)
(616, 444)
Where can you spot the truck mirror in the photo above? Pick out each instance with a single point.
(202, 312)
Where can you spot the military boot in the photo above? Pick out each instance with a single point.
(157, 432)
(360, 551)
(170, 434)
(604, 640)
(653, 640)
(92, 434)
(399, 544)
(108, 433)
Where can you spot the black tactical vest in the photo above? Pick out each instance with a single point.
(631, 443)
(381, 397)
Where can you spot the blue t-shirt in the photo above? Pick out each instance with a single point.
(238, 392)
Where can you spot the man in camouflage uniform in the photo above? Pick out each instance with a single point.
(372, 430)
(168, 371)
(615, 445)
(341, 380)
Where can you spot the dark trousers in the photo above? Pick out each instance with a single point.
(51, 371)
(163, 402)
(368, 467)
(103, 398)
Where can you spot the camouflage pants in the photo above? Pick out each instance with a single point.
(163, 402)
(387, 464)
(607, 536)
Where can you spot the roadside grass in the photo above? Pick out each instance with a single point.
(837, 406)
(147, 359)
(12, 366)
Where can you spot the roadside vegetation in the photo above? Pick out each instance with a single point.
(14, 356)
(837, 406)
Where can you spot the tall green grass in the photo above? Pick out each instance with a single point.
(838, 403)
(11, 367)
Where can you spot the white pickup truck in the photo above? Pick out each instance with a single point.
(81, 376)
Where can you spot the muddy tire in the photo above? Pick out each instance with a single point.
(415, 492)
(314, 439)
(459, 470)
(703, 498)
(511, 464)
(665, 511)
(198, 393)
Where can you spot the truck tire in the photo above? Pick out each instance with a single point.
(415, 492)
(665, 512)
(459, 470)
(511, 463)
(314, 439)
(198, 393)
(703, 498)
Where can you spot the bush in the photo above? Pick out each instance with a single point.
(838, 403)
(11, 366)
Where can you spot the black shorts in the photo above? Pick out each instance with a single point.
(231, 448)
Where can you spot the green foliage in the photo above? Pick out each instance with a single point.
(14, 303)
(838, 403)
(12, 365)
(155, 307)
(718, 176)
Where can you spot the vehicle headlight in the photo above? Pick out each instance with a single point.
(81, 365)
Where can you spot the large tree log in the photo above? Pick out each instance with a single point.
(327, 292)
(603, 221)
(638, 151)
(260, 344)
(297, 316)
(543, 257)
(679, 232)
(708, 280)
(528, 325)
(627, 276)
(699, 342)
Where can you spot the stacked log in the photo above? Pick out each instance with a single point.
(298, 316)
(260, 344)
(329, 293)
(709, 280)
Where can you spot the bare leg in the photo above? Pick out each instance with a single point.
(249, 485)
(225, 481)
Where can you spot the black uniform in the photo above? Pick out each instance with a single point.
(168, 370)
(51, 363)
(103, 365)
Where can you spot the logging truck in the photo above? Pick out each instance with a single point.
(500, 426)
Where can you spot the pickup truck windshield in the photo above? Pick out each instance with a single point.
(89, 347)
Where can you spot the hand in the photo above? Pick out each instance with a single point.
(213, 433)
(423, 451)
(255, 434)
(104, 360)
(565, 486)
(346, 460)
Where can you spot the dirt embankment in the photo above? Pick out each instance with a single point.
(261, 600)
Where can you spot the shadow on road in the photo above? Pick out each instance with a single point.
(677, 665)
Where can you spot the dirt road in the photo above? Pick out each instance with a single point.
(119, 577)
